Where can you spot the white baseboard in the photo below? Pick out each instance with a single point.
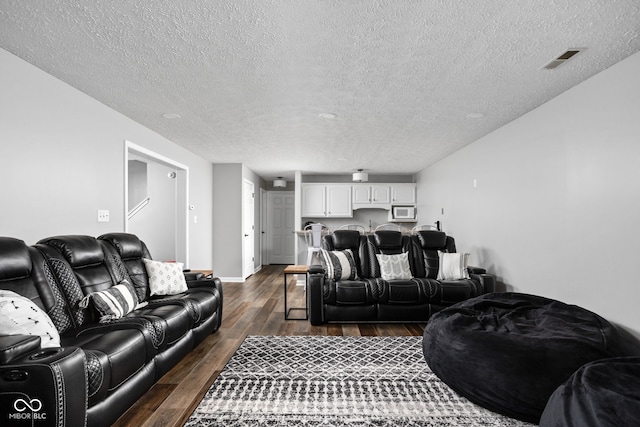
(238, 279)
(231, 279)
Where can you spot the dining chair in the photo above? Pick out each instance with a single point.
(313, 238)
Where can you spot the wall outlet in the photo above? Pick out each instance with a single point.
(103, 215)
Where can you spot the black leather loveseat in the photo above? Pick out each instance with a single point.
(367, 296)
(102, 364)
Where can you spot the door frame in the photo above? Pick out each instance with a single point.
(264, 257)
(246, 272)
(182, 195)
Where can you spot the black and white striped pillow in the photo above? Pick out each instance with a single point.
(339, 265)
(115, 302)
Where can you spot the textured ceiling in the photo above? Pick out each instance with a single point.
(250, 78)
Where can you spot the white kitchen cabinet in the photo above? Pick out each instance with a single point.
(403, 194)
(314, 201)
(380, 194)
(361, 194)
(339, 201)
(326, 201)
(371, 196)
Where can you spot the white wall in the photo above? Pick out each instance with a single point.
(62, 159)
(556, 208)
(227, 219)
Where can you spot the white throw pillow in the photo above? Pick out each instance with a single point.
(394, 267)
(165, 278)
(20, 316)
(453, 266)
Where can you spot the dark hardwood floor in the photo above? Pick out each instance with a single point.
(255, 307)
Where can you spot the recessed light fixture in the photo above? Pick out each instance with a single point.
(475, 115)
(327, 115)
(171, 116)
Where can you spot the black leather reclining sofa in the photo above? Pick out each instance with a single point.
(369, 298)
(100, 369)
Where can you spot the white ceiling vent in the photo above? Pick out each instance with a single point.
(561, 59)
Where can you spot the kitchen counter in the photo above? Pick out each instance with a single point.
(302, 232)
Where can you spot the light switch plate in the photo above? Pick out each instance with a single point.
(103, 215)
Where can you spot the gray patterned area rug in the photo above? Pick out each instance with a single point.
(335, 381)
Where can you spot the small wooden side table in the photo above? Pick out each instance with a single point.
(295, 269)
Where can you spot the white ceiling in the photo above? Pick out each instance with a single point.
(250, 78)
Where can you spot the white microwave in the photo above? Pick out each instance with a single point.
(403, 212)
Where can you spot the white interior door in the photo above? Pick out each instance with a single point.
(248, 225)
(280, 230)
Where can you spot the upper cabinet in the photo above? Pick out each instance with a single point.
(403, 194)
(326, 201)
(340, 200)
(371, 196)
(314, 200)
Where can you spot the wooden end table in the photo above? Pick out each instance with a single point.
(295, 269)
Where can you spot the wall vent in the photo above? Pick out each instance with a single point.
(562, 58)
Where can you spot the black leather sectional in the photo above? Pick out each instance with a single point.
(370, 298)
(100, 369)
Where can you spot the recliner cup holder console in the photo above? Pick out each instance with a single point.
(47, 352)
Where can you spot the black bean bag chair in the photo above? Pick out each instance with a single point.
(508, 352)
(604, 393)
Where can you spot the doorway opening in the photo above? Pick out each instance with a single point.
(156, 203)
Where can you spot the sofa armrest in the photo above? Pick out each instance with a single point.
(487, 281)
(46, 387)
(16, 346)
(189, 275)
(315, 288)
(476, 270)
(203, 282)
(316, 269)
(214, 284)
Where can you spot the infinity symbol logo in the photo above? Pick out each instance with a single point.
(21, 405)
